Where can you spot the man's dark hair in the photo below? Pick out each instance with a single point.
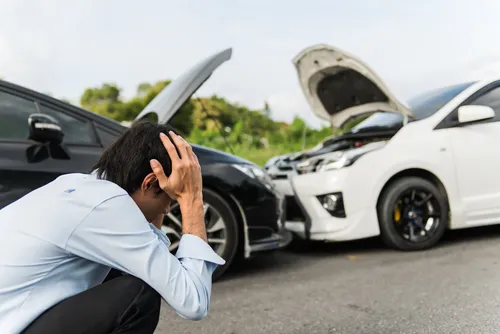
(126, 161)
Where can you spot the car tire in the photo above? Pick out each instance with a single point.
(215, 200)
(402, 193)
(221, 225)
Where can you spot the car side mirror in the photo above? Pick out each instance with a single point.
(474, 113)
(45, 129)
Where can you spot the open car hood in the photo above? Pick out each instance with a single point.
(166, 104)
(339, 87)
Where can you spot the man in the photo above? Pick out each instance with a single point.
(59, 242)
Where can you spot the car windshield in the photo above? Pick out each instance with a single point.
(423, 106)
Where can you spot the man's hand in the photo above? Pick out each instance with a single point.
(184, 183)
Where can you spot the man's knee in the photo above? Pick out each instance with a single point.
(137, 288)
(145, 302)
(150, 297)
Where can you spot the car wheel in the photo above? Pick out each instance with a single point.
(221, 225)
(413, 214)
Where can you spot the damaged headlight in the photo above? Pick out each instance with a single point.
(346, 160)
(257, 173)
(311, 164)
(337, 160)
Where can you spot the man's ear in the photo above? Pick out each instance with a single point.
(150, 182)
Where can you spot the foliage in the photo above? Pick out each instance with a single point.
(106, 100)
(213, 121)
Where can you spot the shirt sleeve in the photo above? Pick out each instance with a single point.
(116, 234)
(163, 238)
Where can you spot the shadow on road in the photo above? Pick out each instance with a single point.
(474, 234)
(321, 249)
(261, 264)
(450, 238)
(300, 253)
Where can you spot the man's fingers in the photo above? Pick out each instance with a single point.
(189, 150)
(187, 156)
(195, 159)
(170, 149)
(181, 144)
(159, 172)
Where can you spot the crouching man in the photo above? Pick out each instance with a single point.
(59, 243)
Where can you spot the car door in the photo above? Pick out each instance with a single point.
(19, 172)
(476, 152)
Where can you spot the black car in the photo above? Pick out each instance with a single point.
(42, 138)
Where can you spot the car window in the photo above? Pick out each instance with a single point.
(490, 99)
(14, 114)
(76, 130)
(422, 106)
(426, 104)
(106, 137)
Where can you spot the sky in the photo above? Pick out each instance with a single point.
(62, 47)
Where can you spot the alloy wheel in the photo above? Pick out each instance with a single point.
(215, 225)
(416, 215)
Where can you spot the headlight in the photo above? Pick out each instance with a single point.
(271, 162)
(345, 161)
(340, 159)
(311, 165)
(256, 173)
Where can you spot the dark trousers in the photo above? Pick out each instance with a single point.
(121, 304)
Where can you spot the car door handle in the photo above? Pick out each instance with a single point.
(3, 189)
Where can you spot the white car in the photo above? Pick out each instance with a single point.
(438, 171)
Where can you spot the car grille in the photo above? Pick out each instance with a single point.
(279, 176)
(285, 168)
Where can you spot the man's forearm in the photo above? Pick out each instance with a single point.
(193, 218)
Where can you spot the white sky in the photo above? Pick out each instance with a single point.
(64, 46)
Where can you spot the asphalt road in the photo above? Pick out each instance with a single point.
(359, 287)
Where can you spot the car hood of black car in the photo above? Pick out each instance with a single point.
(212, 155)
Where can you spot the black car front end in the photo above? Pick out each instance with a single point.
(250, 190)
(264, 213)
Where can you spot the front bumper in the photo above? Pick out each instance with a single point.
(275, 241)
(360, 216)
(293, 212)
(267, 237)
(283, 186)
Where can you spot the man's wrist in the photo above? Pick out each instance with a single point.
(190, 203)
(193, 220)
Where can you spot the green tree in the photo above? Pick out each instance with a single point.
(104, 100)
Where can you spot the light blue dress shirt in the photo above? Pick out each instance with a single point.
(64, 237)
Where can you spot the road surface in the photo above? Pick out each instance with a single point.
(359, 287)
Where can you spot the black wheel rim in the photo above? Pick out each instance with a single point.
(417, 215)
(215, 225)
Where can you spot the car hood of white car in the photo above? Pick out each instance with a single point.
(339, 87)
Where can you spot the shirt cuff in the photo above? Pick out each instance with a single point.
(160, 235)
(191, 246)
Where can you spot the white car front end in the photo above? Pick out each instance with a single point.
(335, 202)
